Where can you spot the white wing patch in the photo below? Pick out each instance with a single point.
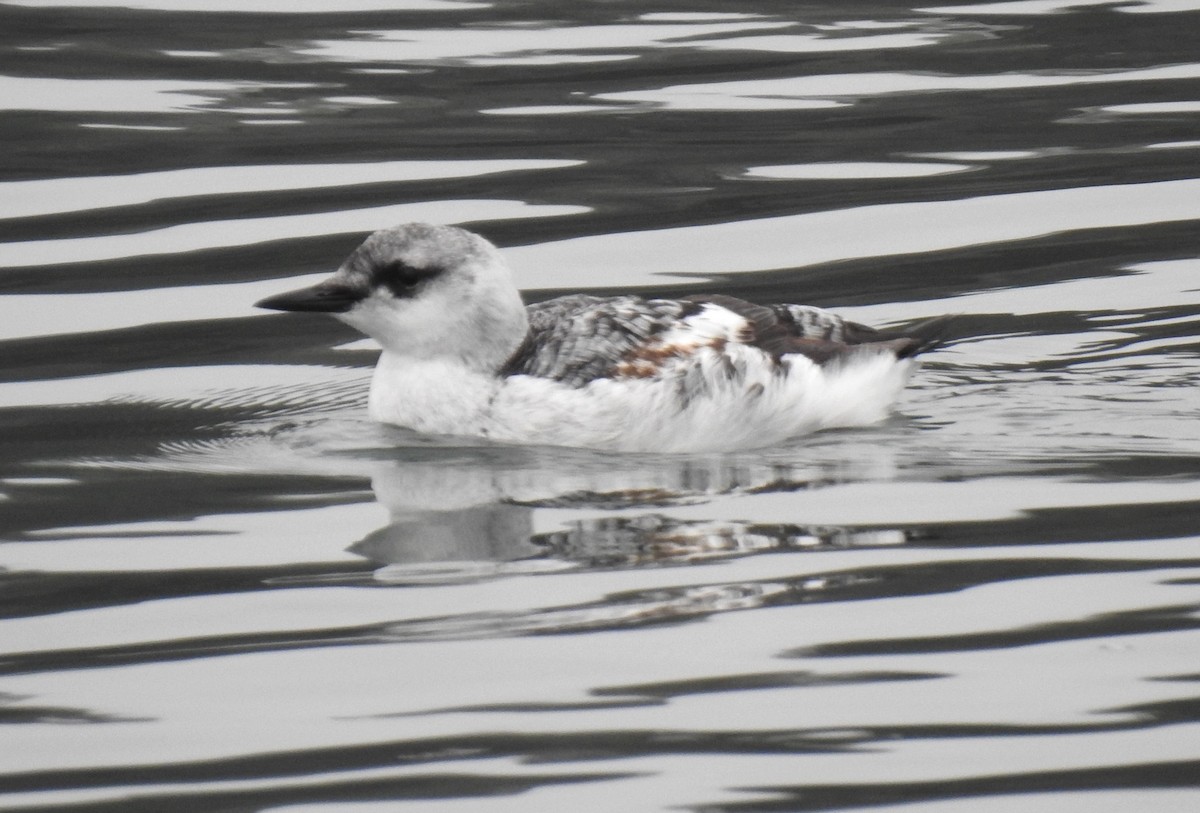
(713, 329)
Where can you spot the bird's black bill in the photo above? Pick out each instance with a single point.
(323, 298)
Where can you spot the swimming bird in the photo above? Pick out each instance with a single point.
(463, 355)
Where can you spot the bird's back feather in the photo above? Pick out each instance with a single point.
(578, 339)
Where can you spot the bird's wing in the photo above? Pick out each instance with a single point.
(577, 339)
(822, 336)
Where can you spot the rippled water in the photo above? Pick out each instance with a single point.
(224, 589)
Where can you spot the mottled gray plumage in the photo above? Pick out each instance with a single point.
(816, 323)
(578, 339)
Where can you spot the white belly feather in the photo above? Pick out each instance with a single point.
(649, 414)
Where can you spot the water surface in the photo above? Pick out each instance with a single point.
(225, 589)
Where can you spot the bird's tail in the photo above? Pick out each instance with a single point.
(905, 343)
(926, 335)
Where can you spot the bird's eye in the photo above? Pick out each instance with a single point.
(402, 279)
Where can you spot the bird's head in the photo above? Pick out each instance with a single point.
(423, 291)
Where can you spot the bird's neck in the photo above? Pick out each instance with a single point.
(440, 395)
(480, 338)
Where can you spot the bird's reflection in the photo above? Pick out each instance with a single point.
(455, 519)
(467, 510)
(463, 514)
(451, 545)
(455, 523)
(651, 538)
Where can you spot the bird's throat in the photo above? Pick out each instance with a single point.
(436, 396)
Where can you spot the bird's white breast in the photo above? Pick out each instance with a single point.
(437, 396)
